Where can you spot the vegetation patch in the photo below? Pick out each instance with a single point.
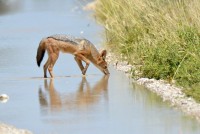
(160, 37)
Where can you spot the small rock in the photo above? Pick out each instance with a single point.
(4, 98)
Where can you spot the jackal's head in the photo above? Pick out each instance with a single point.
(101, 62)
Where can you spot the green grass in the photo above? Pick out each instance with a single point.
(160, 37)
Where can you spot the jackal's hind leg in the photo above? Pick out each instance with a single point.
(46, 65)
(54, 58)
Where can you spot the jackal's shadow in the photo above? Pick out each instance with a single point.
(83, 97)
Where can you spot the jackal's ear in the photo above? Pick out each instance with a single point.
(103, 54)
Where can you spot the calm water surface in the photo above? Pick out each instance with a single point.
(70, 103)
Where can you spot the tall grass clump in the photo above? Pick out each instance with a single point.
(160, 37)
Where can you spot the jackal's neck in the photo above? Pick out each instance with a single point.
(94, 57)
(94, 52)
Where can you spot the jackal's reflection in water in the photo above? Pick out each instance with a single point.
(83, 97)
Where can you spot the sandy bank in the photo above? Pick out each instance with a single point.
(8, 129)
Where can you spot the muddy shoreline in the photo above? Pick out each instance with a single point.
(168, 92)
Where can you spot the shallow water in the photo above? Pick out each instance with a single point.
(71, 103)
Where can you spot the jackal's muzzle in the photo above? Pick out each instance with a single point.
(106, 72)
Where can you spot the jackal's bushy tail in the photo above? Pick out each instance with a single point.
(40, 52)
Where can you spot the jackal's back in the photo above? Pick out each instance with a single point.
(82, 43)
(65, 38)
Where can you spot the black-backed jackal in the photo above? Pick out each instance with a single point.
(82, 49)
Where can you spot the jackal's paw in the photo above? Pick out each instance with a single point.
(83, 71)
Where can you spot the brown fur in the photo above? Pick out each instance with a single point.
(82, 52)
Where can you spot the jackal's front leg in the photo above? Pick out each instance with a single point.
(79, 62)
(79, 57)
